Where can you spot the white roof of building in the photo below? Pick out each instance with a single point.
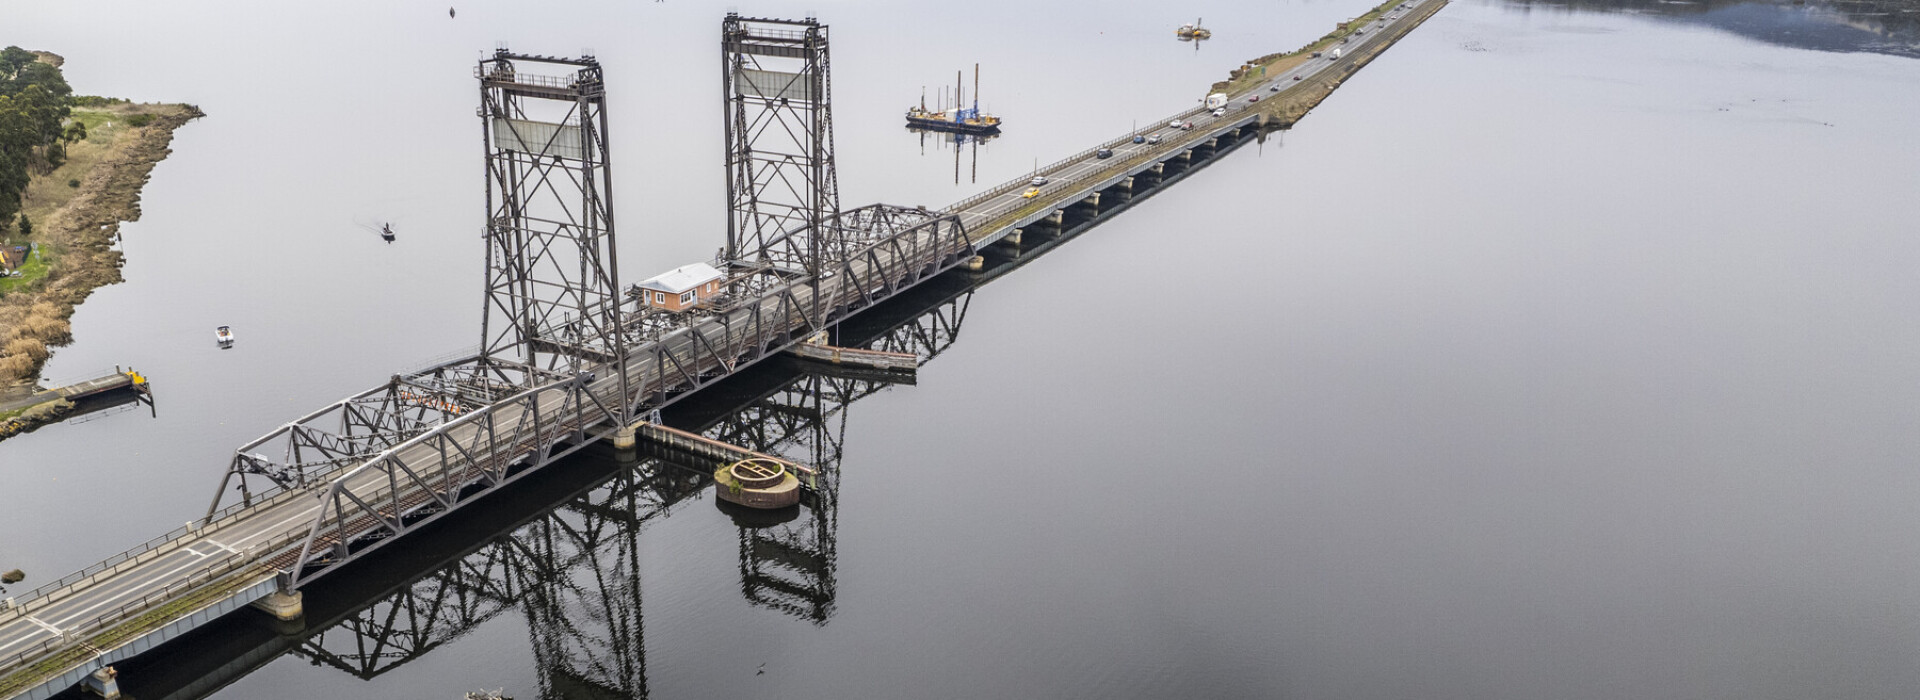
(682, 279)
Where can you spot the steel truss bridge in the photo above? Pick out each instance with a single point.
(568, 565)
(567, 355)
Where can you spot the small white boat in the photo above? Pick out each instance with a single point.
(223, 335)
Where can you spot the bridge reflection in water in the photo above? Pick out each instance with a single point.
(569, 563)
(563, 552)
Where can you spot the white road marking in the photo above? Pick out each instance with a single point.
(50, 628)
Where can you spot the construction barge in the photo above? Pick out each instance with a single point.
(959, 120)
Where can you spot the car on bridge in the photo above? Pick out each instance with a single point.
(1030, 193)
(1255, 98)
(1103, 153)
(1154, 139)
(1038, 180)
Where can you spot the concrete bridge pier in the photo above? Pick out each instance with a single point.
(1158, 168)
(623, 438)
(104, 683)
(1093, 199)
(1014, 236)
(1214, 143)
(283, 605)
(1126, 184)
(1186, 156)
(287, 607)
(1058, 217)
(976, 263)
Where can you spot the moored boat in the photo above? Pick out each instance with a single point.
(964, 120)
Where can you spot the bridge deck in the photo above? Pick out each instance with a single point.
(74, 610)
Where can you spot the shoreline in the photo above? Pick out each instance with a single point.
(1289, 106)
(74, 238)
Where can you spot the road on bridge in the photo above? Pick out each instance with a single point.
(30, 629)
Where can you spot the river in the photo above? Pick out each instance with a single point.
(1566, 351)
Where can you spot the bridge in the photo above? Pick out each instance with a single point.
(568, 356)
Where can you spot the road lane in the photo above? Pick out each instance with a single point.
(272, 523)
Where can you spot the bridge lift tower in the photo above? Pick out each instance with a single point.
(783, 197)
(552, 302)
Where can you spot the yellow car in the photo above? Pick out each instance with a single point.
(1031, 193)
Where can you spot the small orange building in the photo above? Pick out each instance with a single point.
(682, 287)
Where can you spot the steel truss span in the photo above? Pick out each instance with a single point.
(565, 360)
(574, 572)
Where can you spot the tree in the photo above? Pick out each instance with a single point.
(35, 102)
(76, 131)
(26, 227)
(13, 58)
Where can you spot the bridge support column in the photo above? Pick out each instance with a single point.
(1186, 156)
(1127, 184)
(104, 683)
(1213, 143)
(1159, 168)
(283, 605)
(976, 263)
(623, 439)
(1093, 199)
(1058, 217)
(1014, 236)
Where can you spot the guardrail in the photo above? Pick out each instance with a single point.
(50, 593)
(232, 562)
(1017, 183)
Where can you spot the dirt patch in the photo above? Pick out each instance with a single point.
(75, 224)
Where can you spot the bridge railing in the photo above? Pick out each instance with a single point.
(51, 592)
(1017, 183)
(77, 633)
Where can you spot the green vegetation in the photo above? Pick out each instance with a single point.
(35, 101)
(124, 632)
(31, 271)
(1249, 75)
(71, 169)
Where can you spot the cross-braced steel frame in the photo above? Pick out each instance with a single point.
(552, 273)
(573, 573)
(782, 192)
(567, 366)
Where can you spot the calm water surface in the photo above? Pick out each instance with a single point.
(1566, 352)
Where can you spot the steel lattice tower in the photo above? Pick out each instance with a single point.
(552, 284)
(783, 197)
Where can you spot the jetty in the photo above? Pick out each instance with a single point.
(25, 413)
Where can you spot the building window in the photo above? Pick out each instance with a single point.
(686, 298)
(659, 297)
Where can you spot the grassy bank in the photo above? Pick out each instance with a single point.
(76, 210)
(1287, 107)
(1251, 73)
